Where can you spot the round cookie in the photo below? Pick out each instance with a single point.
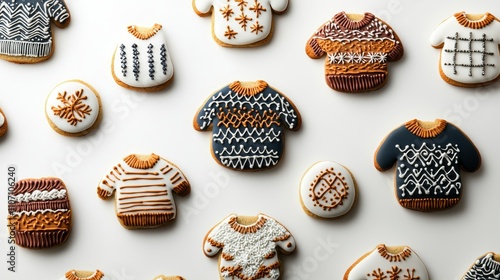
(26, 29)
(39, 213)
(73, 108)
(241, 23)
(3, 123)
(142, 61)
(327, 190)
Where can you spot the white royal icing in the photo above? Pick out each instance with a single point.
(241, 22)
(327, 190)
(250, 251)
(374, 266)
(140, 61)
(43, 211)
(2, 119)
(37, 195)
(86, 120)
(446, 33)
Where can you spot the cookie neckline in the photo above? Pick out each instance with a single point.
(238, 223)
(465, 20)
(75, 275)
(142, 32)
(345, 21)
(426, 129)
(141, 161)
(248, 88)
(394, 253)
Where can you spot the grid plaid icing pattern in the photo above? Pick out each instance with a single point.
(474, 46)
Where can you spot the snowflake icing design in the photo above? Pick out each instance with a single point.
(258, 9)
(257, 28)
(73, 109)
(230, 34)
(227, 12)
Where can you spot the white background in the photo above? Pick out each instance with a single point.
(346, 128)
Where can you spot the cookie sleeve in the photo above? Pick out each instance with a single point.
(397, 51)
(437, 37)
(206, 114)
(289, 115)
(283, 238)
(59, 12)
(313, 49)
(278, 5)
(202, 7)
(107, 186)
(385, 155)
(180, 184)
(470, 158)
(212, 243)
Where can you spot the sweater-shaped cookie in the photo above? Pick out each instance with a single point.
(357, 49)
(248, 247)
(142, 61)
(85, 275)
(143, 186)
(39, 213)
(248, 121)
(429, 157)
(4, 125)
(25, 28)
(486, 267)
(241, 23)
(388, 263)
(469, 49)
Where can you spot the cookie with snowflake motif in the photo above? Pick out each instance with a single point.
(26, 29)
(469, 44)
(327, 190)
(357, 48)
(248, 246)
(241, 23)
(141, 60)
(73, 108)
(3, 123)
(388, 262)
(429, 159)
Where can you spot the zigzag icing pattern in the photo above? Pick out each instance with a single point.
(231, 99)
(484, 268)
(247, 135)
(378, 32)
(420, 174)
(25, 27)
(43, 211)
(41, 195)
(239, 158)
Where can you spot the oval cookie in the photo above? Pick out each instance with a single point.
(142, 61)
(40, 215)
(327, 190)
(73, 108)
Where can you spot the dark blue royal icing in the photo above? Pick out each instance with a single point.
(247, 130)
(428, 168)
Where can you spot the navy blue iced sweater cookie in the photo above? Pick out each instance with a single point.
(248, 121)
(429, 157)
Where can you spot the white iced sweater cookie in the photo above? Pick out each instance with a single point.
(383, 264)
(240, 22)
(469, 49)
(248, 251)
(144, 187)
(142, 60)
